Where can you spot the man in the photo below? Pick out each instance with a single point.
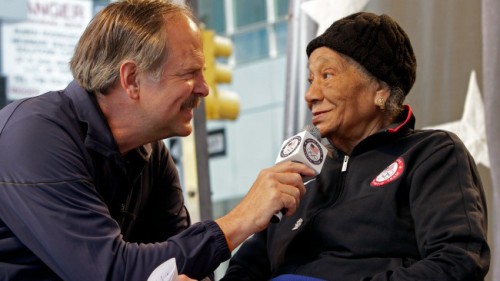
(392, 202)
(88, 190)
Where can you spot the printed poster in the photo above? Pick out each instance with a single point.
(36, 52)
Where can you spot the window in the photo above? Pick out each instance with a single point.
(281, 8)
(258, 28)
(211, 13)
(281, 31)
(248, 12)
(251, 45)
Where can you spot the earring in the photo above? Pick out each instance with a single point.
(381, 103)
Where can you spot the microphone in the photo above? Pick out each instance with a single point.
(304, 147)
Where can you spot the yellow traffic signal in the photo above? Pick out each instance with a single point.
(218, 104)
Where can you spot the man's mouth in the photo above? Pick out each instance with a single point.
(191, 103)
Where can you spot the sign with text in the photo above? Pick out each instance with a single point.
(216, 142)
(36, 52)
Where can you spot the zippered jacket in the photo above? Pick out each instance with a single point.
(405, 205)
(73, 208)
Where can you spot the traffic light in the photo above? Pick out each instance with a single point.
(219, 104)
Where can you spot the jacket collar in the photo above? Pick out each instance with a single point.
(404, 123)
(98, 134)
(405, 120)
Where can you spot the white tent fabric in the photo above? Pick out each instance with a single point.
(471, 127)
(491, 84)
(324, 12)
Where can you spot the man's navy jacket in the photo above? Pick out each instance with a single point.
(73, 208)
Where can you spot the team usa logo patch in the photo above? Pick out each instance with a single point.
(313, 151)
(390, 173)
(290, 147)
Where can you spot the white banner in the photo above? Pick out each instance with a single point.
(36, 52)
(491, 83)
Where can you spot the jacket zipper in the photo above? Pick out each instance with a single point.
(344, 164)
(127, 216)
(338, 191)
(341, 181)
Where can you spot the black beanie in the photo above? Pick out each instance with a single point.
(376, 42)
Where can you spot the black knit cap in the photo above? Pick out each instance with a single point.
(376, 42)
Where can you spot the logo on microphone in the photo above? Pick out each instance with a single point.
(313, 151)
(290, 147)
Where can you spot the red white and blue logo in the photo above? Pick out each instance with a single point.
(389, 174)
(290, 146)
(313, 151)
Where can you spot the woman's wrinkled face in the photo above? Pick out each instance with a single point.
(341, 98)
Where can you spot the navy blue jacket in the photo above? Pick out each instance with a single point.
(405, 205)
(73, 208)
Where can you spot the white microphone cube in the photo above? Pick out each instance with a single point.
(304, 148)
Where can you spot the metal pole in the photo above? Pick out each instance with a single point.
(203, 168)
(199, 191)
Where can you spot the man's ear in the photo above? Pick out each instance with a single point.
(129, 78)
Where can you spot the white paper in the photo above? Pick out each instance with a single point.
(166, 271)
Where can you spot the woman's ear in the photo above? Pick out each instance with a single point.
(129, 78)
(381, 95)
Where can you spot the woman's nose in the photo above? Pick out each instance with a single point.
(313, 94)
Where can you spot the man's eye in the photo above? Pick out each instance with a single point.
(327, 75)
(188, 75)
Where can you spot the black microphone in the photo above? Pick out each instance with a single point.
(304, 147)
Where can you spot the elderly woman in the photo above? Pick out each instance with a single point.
(392, 202)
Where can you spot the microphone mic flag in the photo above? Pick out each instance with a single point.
(304, 147)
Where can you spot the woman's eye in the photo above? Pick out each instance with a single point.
(327, 75)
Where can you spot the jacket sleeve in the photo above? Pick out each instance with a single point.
(250, 262)
(449, 211)
(51, 207)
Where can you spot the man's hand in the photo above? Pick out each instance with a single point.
(184, 278)
(276, 188)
